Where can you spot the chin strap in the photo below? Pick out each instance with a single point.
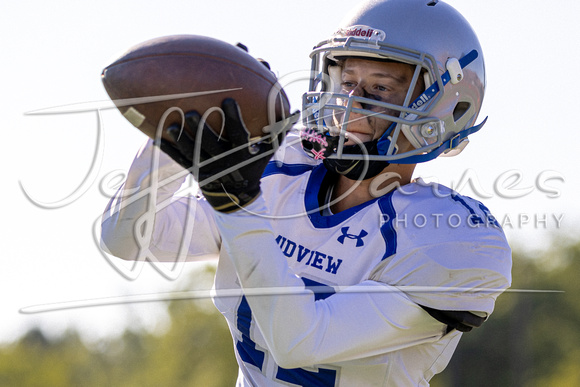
(453, 142)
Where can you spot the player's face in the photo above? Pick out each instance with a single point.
(382, 81)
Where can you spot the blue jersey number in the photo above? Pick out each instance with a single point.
(250, 354)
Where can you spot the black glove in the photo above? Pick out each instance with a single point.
(228, 171)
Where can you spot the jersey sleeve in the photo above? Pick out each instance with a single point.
(147, 220)
(451, 253)
(301, 331)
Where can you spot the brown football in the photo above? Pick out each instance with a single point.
(156, 81)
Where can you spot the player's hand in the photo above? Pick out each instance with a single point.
(228, 171)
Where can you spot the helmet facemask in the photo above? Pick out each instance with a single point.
(330, 110)
(445, 55)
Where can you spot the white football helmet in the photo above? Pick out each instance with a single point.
(430, 35)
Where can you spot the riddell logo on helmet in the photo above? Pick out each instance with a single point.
(362, 32)
(421, 100)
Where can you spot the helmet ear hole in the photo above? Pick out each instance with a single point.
(460, 109)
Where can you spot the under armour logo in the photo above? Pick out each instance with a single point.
(359, 237)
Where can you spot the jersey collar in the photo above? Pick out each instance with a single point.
(317, 185)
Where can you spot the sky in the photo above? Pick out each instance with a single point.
(59, 169)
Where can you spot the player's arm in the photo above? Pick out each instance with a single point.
(383, 314)
(364, 320)
(455, 272)
(146, 220)
(299, 330)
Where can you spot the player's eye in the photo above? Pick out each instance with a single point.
(348, 85)
(382, 88)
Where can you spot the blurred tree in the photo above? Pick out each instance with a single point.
(196, 350)
(38, 361)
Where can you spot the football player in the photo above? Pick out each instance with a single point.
(348, 271)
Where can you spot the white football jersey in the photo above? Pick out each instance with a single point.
(332, 299)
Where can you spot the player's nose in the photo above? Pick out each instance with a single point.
(358, 91)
